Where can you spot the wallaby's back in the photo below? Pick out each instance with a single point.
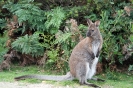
(79, 56)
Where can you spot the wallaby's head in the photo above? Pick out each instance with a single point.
(93, 29)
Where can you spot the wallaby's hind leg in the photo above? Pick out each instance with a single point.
(82, 74)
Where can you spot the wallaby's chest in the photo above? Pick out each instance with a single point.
(95, 46)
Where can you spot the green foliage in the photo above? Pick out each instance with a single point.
(62, 37)
(29, 14)
(130, 68)
(115, 33)
(3, 50)
(53, 55)
(2, 2)
(54, 19)
(48, 41)
(111, 75)
(2, 23)
(29, 45)
(116, 27)
(36, 19)
(66, 45)
(83, 29)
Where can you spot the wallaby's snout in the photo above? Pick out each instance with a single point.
(88, 34)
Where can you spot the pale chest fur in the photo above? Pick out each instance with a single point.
(91, 70)
(95, 46)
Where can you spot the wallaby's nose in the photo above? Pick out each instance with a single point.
(88, 34)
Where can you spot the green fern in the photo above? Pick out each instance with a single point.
(35, 18)
(28, 13)
(53, 55)
(62, 37)
(54, 19)
(3, 50)
(2, 23)
(29, 45)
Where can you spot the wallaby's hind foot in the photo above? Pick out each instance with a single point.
(83, 82)
(98, 79)
(102, 80)
(17, 78)
(90, 84)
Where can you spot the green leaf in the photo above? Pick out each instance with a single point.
(54, 18)
(130, 67)
(29, 45)
(131, 38)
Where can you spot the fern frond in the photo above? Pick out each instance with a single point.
(54, 18)
(62, 37)
(29, 45)
(29, 13)
(2, 23)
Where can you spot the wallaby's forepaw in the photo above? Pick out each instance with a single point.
(93, 56)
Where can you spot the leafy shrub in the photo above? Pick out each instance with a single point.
(115, 32)
(54, 19)
(29, 14)
(130, 68)
(34, 18)
(116, 27)
(111, 75)
(3, 50)
(29, 45)
(2, 23)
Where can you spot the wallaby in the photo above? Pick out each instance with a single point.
(83, 59)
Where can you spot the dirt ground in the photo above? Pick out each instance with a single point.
(38, 85)
(28, 85)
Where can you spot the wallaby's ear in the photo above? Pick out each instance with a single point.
(89, 22)
(97, 23)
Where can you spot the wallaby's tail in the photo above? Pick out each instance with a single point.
(68, 76)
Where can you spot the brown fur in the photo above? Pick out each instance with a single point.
(6, 63)
(99, 68)
(41, 61)
(27, 60)
(76, 34)
(128, 10)
(84, 46)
